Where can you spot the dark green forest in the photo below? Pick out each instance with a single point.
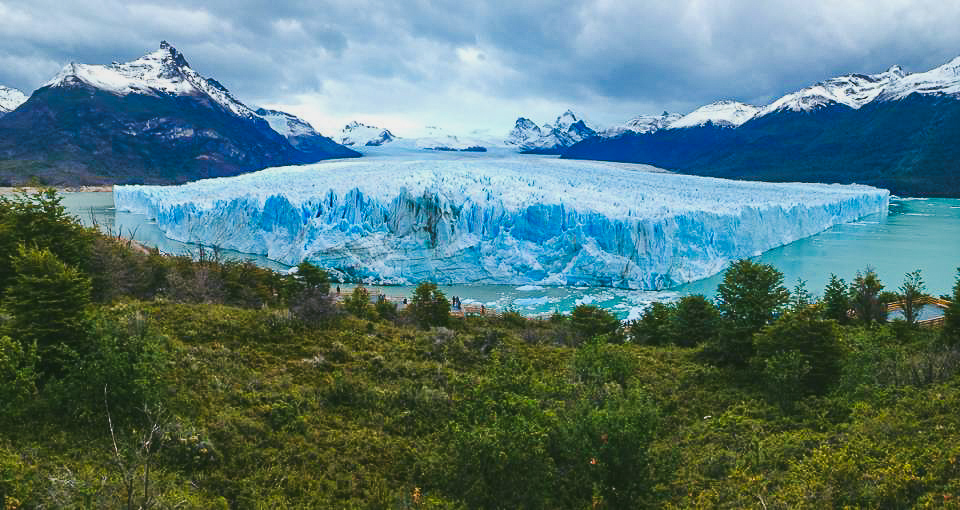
(132, 379)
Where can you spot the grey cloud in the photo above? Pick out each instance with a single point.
(608, 55)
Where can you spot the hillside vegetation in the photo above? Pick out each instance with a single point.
(130, 379)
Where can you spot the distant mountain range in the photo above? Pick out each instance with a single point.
(893, 130)
(567, 130)
(156, 120)
(152, 120)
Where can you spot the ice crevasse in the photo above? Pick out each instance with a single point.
(515, 220)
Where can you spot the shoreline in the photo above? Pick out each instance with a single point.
(7, 190)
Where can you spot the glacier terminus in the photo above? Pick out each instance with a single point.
(498, 218)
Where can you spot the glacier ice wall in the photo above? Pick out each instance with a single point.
(515, 220)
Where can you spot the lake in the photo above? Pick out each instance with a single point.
(915, 234)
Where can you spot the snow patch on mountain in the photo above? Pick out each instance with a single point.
(721, 113)
(514, 220)
(356, 134)
(941, 80)
(286, 124)
(10, 99)
(159, 73)
(852, 90)
(642, 124)
(565, 131)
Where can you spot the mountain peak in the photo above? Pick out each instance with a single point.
(726, 113)
(10, 99)
(358, 134)
(162, 72)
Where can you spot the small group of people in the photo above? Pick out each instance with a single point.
(456, 303)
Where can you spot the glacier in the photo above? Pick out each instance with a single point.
(516, 220)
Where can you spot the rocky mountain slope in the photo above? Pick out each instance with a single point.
(894, 130)
(152, 120)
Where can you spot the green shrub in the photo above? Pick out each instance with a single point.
(49, 301)
(429, 306)
(751, 296)
(588, 321)
(39, 220)
(799, 354)
(655, 326)
(18, 376)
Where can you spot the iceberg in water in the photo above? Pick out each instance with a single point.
(518, 220)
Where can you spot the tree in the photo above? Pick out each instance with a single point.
(951, 324)
(866, 298)
(800, 298)
(751, 294)
(806, 345)
(750, 297)
(48, 300)
(695, 321)
(309, 293)
(655, 326)
(429, 306)
(40, 220)
(588, 321)
(358, 302)
(836, 300)
(911, 291)
(312, 277)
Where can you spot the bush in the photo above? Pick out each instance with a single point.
(695, 321)
(805, 347)
(429, 306)
(836, 300)
(597, 363)
(750, 297)
(911, 291)
(39, 220)
(358, 302)
(867, 298)
(18, 376)
(49, 301)
(603, 452)
(124, 355)
(589, 321)
(655, 326)
(386, 310)
(951, 324)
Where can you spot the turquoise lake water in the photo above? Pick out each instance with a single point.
(915, 234)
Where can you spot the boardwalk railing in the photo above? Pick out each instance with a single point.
(943, 304)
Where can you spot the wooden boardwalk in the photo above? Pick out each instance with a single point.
(403, 301)
(942, 304)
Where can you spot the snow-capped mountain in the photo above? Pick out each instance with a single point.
(892, 129)
(437, 138)
(164, 72)
(549, 138)
(301, 134)
(721, 113)
(153, 119)
(642, 124)
(10, 99)
(286, 124)
(356, 134)
(853, 90)
(943, 80)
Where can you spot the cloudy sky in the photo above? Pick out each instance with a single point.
(466, 65)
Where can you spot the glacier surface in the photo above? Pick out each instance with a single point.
(517, 220)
